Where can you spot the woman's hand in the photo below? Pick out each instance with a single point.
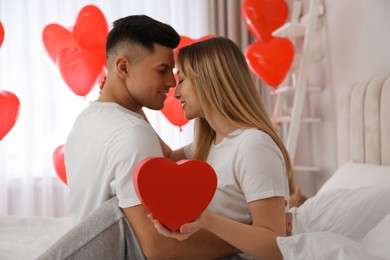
(185, 231)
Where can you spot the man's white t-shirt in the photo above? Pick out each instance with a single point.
(103, 148)
(249, 166)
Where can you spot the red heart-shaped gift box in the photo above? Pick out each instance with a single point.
(174, 193)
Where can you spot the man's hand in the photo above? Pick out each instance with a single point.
(294, 202)
(295, 198)
(289, 218)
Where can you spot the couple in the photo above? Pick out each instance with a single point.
(233, 133)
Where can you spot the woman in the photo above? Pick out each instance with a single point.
(234, 134)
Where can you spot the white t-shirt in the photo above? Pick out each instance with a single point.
(249, 167)
(104, 146)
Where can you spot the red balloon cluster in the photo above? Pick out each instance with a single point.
(270, 58)
(172, 107)
(9, 112)
(79, 52)
(1, 34)
(59, 163)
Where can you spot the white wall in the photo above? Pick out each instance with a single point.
(355, 42)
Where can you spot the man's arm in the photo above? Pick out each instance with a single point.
(202, 245)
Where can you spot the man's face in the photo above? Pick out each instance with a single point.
(150, 79)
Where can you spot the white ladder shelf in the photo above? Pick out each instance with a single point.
(297, 28)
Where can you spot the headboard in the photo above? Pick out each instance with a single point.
(363, 122)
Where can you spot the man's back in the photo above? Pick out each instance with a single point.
(105, 144)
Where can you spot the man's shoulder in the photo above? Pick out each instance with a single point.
(110, 118)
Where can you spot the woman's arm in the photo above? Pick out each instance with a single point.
(258, 239)
(202, 245)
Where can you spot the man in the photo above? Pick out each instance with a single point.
(110, 136)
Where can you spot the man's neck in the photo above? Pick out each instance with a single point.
(119, 96)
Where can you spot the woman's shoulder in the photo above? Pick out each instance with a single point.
(256, 139)
(254, 134)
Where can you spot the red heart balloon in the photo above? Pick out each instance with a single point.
(91, 28)
(80, 69)
(271, 60)
(84, 49)
(173, 110)
(9, 112)
(262, 17)
(59, 163)
(56, 38)
(174, 193)
(1, 34)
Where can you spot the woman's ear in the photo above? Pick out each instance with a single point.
(121, 67)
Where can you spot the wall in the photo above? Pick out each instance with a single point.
(355, 41)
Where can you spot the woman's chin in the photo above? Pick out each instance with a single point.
(188, 117)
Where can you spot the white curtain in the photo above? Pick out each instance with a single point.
(28, 181)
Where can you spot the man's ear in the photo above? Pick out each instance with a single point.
(121, 67)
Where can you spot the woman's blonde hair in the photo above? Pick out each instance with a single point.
(225, 85)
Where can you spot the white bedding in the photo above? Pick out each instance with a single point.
(349, 218)
(27, 237)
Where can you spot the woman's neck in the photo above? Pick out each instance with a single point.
(222, 127)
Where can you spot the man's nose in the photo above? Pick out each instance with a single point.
(171, 82)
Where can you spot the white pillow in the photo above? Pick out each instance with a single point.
(321, 246)
(349, 212)
(354, 175)
(377, 239)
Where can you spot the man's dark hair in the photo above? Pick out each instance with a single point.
(144, 30)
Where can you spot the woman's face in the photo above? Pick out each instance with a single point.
(186, 93)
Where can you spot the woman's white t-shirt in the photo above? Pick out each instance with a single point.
(249, 166)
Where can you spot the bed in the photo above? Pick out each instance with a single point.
(27, 237)
(349, 217)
